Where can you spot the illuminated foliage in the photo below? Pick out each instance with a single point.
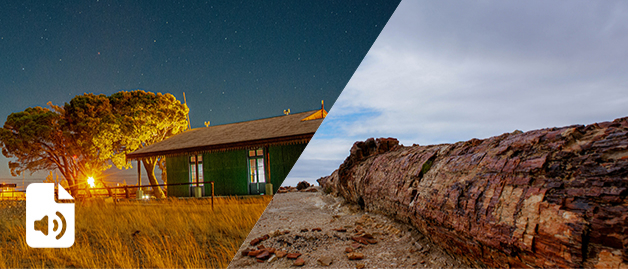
(35, 138)
(141, 119)
(83, 137)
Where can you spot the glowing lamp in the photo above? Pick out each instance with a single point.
(90, 181)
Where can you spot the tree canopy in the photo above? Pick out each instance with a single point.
(91, 132)
(142, 119)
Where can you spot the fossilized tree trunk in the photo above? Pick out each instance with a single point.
(544, 198)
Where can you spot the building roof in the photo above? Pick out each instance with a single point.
(280, 130)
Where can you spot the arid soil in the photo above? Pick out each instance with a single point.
(326, 232)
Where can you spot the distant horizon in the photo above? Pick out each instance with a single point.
(295, 180)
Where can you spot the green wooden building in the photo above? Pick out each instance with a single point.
(240, 158)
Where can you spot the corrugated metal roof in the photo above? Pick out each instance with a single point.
(278, 130)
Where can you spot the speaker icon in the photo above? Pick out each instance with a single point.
(49, 224)
(42, 225)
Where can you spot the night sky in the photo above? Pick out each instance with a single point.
(235, 61)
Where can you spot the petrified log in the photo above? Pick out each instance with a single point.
(543, 198)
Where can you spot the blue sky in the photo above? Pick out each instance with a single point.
(448, 71)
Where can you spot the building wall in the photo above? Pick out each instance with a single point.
(178, 169)
(229, 170)
(282, 158)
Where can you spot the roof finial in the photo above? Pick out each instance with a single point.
(207, 124)
(286, 112)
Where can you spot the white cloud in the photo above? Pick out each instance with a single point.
(450, 71)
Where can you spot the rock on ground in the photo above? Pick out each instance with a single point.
(553, 197)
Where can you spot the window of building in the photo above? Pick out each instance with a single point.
(256, 166)
(198, 159)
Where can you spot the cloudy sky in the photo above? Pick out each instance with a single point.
(448, 71)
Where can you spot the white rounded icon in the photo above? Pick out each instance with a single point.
(48, 224)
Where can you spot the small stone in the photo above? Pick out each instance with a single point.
(264, 255)
(422, 262)
(359, 265)
(355, 256)
(371, 241)
(325, 261)
(348, 249)
(246, 252)
(254, 253)
(356, 245)
(271, 250)
(280, 254)
(360, 239)
(341, 230)
(304, 230)
(299, 262)
(272, 259)
(303, 185)
(259, 239)
(260, 261)
(293, 256)
(261, 247)
(316, 229)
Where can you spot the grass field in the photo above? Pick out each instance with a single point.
(153, 234)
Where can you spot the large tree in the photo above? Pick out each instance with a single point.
(38, 138)
(85, 118)
(141, 119)
(83, 137)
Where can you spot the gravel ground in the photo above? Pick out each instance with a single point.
(292, 222)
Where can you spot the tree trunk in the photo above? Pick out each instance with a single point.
(73, 187)
(164, 174)
(149, 165)
(555, 197)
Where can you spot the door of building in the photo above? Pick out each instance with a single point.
(257, 174)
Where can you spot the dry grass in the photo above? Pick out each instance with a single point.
(172, 233)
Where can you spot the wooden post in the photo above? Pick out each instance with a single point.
(197, 189)
(139, 173)
(268, 179)
(212, 196)
(267, 163)
(196, 168)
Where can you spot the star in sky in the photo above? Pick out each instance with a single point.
(235, 61)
